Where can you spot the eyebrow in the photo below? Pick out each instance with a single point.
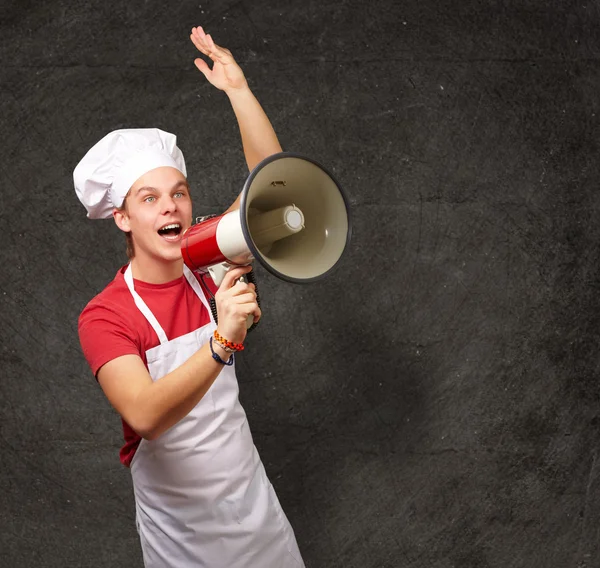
(150, 188)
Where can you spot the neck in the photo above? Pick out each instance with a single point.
(154, 271)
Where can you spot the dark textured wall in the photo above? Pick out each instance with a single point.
(433, 403)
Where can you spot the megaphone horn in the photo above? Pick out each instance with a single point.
(293, 218)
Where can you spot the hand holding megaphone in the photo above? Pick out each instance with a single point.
(293, 218)
(236, 303)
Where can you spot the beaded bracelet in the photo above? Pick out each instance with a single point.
(224, 347)
(235, 346)
(216, 357)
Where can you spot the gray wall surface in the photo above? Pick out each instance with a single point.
(433, 403)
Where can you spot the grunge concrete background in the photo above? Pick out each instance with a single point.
(435, 402)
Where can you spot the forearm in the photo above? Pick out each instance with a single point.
(166, 401)
(258, 136)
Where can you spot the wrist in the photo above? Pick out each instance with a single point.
(219, 354)
(218, 349)
(228, 343)
(239, 93)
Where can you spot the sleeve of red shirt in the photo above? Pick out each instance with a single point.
(104, 335)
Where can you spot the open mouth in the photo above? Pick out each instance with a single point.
(170, 232)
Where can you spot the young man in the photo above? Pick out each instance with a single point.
(202, 496)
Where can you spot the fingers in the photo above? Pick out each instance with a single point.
(241, 293)
(240, 287)
(233, 314)
(250, 309)
(205, 44)
(200, 40)
(246, 304)
(240, 299)
(245, 298)
(202, 66)
(219, 51)
(236, 301)
(233, 275)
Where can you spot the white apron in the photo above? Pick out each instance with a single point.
(201, 492)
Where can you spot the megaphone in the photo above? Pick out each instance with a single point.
(293, 218)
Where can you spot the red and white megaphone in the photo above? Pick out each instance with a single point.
(293, 218)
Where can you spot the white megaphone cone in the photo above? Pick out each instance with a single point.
(293, 218)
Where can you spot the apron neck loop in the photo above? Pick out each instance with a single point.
(162, 336)
(143, 307)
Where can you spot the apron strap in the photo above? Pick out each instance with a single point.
(162, 336)
(142, 306)
(193, 282)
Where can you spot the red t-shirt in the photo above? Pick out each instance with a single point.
(111, 325)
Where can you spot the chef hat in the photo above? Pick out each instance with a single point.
(109, 169)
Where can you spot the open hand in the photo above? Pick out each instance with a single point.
(225, 74)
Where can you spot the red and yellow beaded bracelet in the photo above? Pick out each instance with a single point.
(225, 343)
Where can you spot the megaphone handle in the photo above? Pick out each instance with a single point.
(213, 308)
(248, 278)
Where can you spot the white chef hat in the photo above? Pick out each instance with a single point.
(109, 169)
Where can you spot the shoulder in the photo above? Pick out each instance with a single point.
(111, 316)
(114, 302)
(108, 326)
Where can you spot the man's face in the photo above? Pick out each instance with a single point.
(158, 211)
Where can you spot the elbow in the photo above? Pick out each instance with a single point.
(145, 428)
(146, 418)
(147, 434)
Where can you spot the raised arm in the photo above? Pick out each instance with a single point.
(258, 137)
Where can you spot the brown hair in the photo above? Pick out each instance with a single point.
(128, 235)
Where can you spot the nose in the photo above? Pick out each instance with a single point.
(168, 204)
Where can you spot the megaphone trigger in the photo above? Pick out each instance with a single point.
(217, 272)
(242, 279)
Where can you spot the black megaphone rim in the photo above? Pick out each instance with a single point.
(246, 231)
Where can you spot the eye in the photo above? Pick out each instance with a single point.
(179, 194)
(149, 199)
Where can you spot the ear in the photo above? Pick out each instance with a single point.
(121, 220)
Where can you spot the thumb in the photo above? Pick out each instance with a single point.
(202, 66)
